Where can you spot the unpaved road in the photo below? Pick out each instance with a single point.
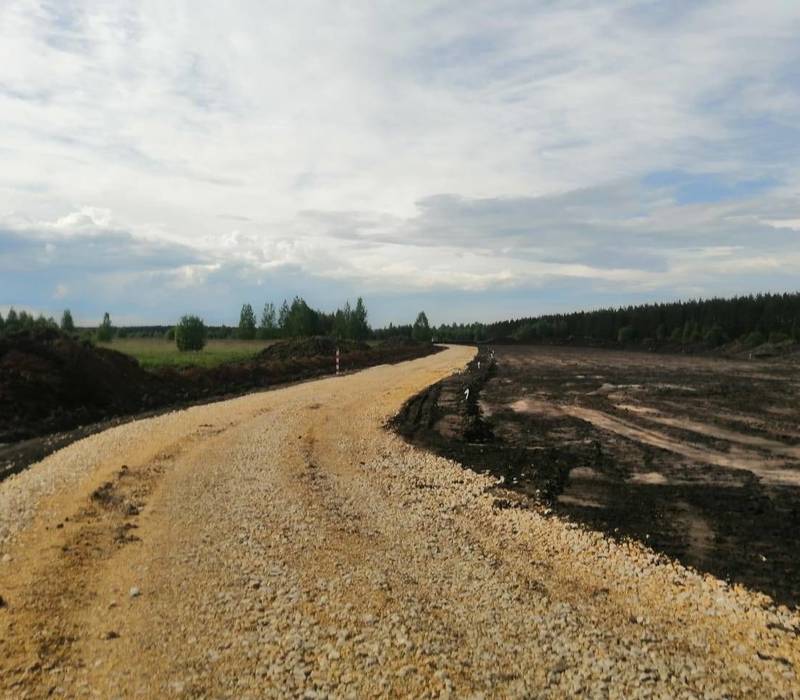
(284, 544)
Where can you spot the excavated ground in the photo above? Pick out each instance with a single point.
(55, 389)
(699, 458)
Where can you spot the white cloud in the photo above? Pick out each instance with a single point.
(405, 146)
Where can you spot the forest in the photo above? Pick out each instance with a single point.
(752, 319)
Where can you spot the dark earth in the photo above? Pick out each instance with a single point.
(55, 389)
(698, 457)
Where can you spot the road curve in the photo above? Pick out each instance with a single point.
(284, 544)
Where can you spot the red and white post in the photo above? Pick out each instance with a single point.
(337, 360)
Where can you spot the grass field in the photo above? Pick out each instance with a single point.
(156, 352)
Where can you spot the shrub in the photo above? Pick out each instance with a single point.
(527, 331)
(169, 334)
(755, 338)
(190, 334)
(626, 334)
(778, 337)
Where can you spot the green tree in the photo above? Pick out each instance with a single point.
(190, 333)
(67, 324)
(2, 323)
(421, 329)
(301, 320)
(105, 331)
(341, 321)
(267, 328)
(247, 323)
(12, 320)
(359, 328)
(283, 318)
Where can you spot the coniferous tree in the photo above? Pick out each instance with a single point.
(12, 320)
(359, 328)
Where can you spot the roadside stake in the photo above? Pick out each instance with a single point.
(337, 360)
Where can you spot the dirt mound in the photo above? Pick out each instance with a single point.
(53, 381)
(50, 382)
(319, 346)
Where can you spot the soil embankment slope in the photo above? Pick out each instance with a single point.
(285, 542)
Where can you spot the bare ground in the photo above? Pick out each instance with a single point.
(285, 544)
(697, 457)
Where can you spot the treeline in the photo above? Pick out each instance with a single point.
(22, 320)
(752, 319)
(298, 319)
(290, 320)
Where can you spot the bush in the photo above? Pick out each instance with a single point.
(755, 338)
(190, 334)
(626, 334)
(778, 337)
(169, 334)
(527, 331)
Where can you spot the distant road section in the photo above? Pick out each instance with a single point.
(285, 544)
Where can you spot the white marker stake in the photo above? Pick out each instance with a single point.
(337, 360)
(466, 394)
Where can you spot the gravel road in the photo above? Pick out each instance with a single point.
(284, 544)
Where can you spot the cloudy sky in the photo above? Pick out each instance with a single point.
(479, 160)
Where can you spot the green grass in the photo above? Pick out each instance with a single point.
(156, 352)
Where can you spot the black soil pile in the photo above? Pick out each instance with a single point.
(699, 458)
(320, 346)
(51, 382)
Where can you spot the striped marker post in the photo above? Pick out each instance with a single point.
(337, 360)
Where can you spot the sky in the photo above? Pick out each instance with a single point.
(478, 160)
